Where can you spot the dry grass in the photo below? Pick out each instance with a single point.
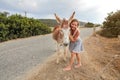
(98, 63)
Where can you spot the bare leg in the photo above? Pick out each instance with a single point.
(78, 60)
(71, 62)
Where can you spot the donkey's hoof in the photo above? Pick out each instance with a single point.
(65, 59)
(57, 61)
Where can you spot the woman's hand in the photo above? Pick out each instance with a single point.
(75, 37)
(71, 38)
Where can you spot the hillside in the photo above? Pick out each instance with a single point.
(52, 22)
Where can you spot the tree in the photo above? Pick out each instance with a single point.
(17, 26)
(111, 25)
(89, 24)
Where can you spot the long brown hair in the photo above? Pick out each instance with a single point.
(74, 20)
(72, 32)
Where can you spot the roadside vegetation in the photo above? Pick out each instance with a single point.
(91, 25)
(111, 25)
(17, 26)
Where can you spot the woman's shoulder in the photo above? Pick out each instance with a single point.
(77, 31)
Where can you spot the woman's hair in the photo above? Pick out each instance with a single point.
(75, 20)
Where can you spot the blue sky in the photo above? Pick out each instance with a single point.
(86, 10)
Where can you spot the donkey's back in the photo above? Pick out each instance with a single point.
(56, 33)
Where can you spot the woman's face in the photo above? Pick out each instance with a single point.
(74, 25)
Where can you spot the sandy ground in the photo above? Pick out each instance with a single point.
(100, 61)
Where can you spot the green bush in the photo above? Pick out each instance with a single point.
(17, 26)
(89, 24)
(111, 25)
(3, 32)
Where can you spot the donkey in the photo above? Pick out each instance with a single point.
(61, 34)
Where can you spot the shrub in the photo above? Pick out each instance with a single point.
(111, 25)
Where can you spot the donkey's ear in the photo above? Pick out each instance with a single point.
(57, 18)
(72, 16)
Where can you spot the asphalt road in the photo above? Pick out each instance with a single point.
(21, 55)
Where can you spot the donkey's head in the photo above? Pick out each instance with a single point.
(64, 24)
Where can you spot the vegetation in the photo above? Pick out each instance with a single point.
(89, 24)
(111, 25)
(49, 22)
(53, 22)
(17, 26)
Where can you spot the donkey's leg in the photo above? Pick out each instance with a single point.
(58, 53)
(56, 47)
(65, 52)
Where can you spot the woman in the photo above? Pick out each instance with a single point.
(75, 45)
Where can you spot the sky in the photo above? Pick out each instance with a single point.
(94, 11)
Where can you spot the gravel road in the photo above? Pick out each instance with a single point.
(21, 55)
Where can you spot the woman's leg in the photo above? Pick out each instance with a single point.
(78, 60)
(71, 62)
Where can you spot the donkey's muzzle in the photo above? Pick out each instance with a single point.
(65, 44)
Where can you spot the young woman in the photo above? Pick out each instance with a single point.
(75, 45)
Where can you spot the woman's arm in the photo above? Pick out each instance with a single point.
(75, 37)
